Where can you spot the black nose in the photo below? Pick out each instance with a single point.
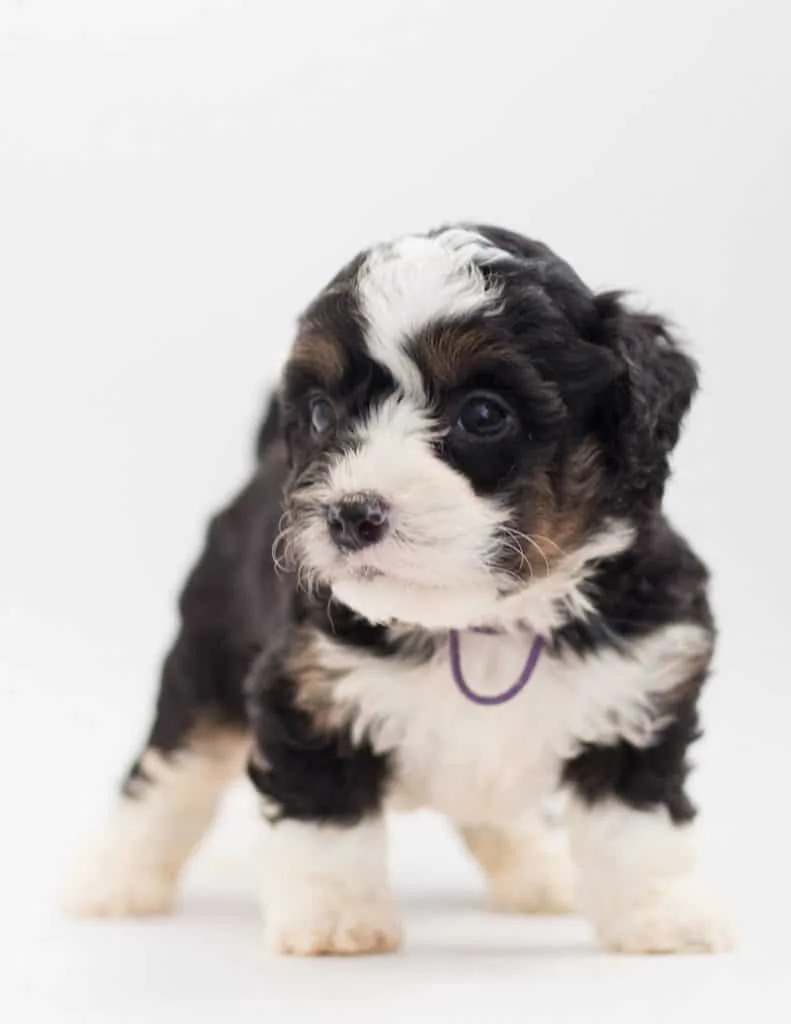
(357, 522)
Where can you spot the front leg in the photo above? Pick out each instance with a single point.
(326, 889)
(640, 884)
(633, 841)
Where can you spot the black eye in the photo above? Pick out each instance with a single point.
(322, 415)
(485, 416)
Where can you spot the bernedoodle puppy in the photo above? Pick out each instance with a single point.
(449, 583)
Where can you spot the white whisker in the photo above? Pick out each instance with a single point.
(515, 534)
(548, 540)
(540, 550)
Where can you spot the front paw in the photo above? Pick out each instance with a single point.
(325, 927)
(109, 888)
(676, 916)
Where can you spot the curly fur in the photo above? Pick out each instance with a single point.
(331, 661)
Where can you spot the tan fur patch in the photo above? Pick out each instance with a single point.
(133, 866)
(529, 870)
(562, 512)
(449, 355)
(320, 353)
(493, 848)
(224, 747)
(315, 681)
(217, 753)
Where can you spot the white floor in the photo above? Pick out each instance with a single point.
(460, 961)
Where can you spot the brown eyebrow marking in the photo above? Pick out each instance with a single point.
(448, 355)
(320, 353)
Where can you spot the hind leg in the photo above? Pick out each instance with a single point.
(199, 740)
(196, 748)
(165, 808)
(526, 864)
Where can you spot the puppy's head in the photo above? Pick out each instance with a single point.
(464, 416)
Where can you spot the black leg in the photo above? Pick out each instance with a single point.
(197, 745)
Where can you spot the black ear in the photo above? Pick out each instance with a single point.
(641, 416)
(270, 429)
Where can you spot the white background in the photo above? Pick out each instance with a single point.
(176, 180)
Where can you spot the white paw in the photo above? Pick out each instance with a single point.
(545, 887)
(343, 928)
(682, 916)
(106, 886)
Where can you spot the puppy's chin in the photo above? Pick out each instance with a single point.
(383, 599)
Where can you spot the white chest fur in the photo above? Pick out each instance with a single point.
(478, 763)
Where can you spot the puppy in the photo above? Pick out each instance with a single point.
(449, 583)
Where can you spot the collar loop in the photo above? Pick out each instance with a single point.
(486, 700)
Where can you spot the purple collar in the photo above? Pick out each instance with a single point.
(506, 695)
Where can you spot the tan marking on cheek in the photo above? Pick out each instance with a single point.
(561, 515)
(320, 353)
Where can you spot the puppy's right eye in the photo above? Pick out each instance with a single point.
(485, 417)
(322, 416)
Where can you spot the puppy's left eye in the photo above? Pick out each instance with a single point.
(322, 415)
(485, 416)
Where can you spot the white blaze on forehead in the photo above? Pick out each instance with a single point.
(394, 458)
(417, 281)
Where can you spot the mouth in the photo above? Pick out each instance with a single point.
(392, 591)
(363, 567)
(366, 572)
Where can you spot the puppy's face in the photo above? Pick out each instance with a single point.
(461, 414)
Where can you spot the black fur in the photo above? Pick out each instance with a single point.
(311, 773)
(658, 580)
(645, 406)
(270, 430)
(643, 778)
(231, 608)
(573, 365)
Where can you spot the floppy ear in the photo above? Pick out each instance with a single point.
(270, 429)
(641, 416)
